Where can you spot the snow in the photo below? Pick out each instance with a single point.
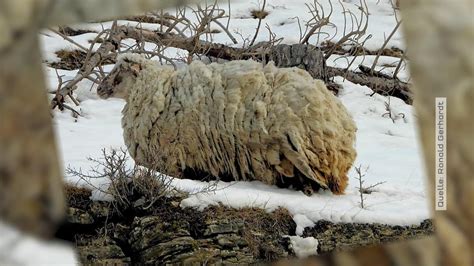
(304, 246)
(16, 248)
(302, 221)
(389, 148)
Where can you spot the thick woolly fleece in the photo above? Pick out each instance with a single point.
(241, 121)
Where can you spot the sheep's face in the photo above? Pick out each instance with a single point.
(118, 83)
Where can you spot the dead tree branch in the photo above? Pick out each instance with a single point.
(306, 56)
(359, 26)
(379, 83)
(384, 45)
(91, 62)
(319, 20)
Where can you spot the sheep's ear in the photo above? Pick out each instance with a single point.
(136, 69)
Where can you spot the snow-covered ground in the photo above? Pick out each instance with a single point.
(387, 147)
(17, 248)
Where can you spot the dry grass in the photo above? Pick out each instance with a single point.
(140, 192)
(259, 14)
(77, 196)
(71, 60)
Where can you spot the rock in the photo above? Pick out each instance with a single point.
(175, 250)
(149, 231)
(101, 251)
(230, 241)
(236, 257)
(222, 227)
(166, 234)
(339, 236)
(120, 232)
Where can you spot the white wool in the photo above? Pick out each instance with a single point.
(238, 119)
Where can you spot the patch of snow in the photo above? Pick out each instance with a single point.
(304, 246)
(302, 221)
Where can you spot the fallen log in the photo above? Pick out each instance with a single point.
(305, 56)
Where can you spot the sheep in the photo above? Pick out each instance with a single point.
(234, 121)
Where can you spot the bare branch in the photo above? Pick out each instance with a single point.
(261, 15)
(359, 26)
(319, 20)
(384, 45)
(68, 39)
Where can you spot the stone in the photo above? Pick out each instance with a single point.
(223, 227)
(169, 251)
(230, 240)
(102, 251)
(149, 231)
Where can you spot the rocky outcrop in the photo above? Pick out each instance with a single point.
(344, 236)
(167, 234)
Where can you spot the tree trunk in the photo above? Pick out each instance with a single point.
(31, 194)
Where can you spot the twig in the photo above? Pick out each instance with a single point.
(384, 45)
(68, 39)
(91, 61)
(260, 18)
(399, 65)
(361, 26)
(320, 20)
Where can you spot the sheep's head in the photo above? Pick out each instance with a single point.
(120, 80)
